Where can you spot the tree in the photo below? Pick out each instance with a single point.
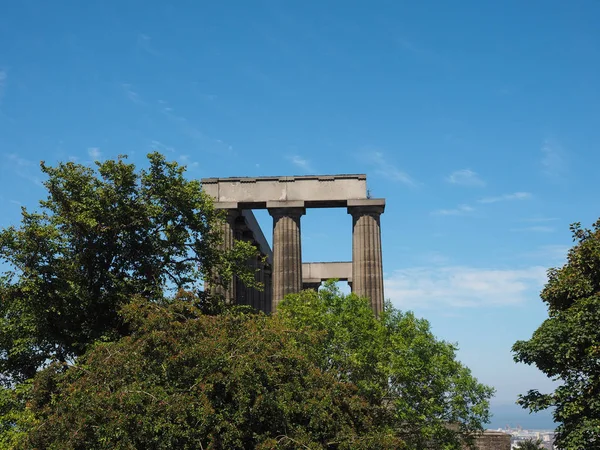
(185, 380)
(101, 237)
(566, 347)
(395, 361)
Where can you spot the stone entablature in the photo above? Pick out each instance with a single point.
(316, 191)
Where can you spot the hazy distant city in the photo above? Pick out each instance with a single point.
(521, 434)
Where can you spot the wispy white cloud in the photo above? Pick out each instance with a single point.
(186, 161)
(435, 258)
(94, 153)
(24, 168)
(386, 169)
(419, 51)
(301, 163)
(539, 219)
(465, 177)
(507, 197)
(553, 162)
(536, 229)
(458, 211)
(462, 287)
(192, 131)
(157, 145)
(131, 94)
(550, 254)
(408, 45)
(145, 43)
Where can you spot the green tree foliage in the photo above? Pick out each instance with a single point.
(97, 353)
(184, 380)
(101, 236)
(566, 347)
(396, 362)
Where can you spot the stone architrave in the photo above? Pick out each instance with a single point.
(367, 264)
(287, 249)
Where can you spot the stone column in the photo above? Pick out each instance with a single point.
(367, 265)
(287, 249)
(229, 235)
(268, 292)
(241, 294)
(260, 276)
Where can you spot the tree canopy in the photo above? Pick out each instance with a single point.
(185, 380)
(566, 346)
(322, 373)
(395, 361)
(107, 339)
(102, 236)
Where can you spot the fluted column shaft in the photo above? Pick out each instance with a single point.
(268, 292)
(287, 252)
(367, 263)
(229, 235)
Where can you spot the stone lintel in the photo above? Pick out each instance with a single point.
(285, 179)
(326, 271)
(369, 203)
(320, 190)
(226, 205)
(285, 204)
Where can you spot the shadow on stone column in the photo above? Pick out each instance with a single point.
(287, 249)
(229, 235)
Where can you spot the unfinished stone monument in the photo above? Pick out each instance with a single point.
(281, 269)
(287, 199)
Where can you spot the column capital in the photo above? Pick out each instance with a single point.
(369, 206)
(293, 209)
(231, 209)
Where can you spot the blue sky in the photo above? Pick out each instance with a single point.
(477, 121)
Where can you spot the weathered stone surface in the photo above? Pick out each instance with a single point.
(287, 251)
(367, 263)
(229, 230)
(250, 223)
(316, 191)
(286, 199)
(327, 271)
(492, 440)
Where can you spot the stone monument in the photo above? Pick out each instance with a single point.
(287, 200)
